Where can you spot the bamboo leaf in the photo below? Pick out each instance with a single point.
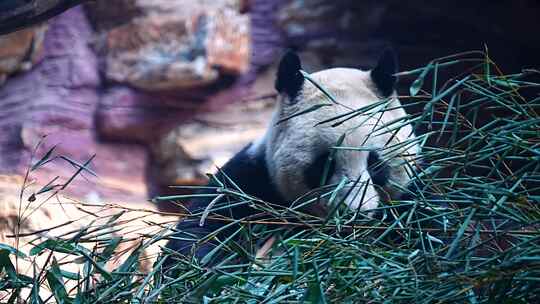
(419, 82)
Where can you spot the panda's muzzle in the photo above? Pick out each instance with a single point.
(314, 174)
(378, 169)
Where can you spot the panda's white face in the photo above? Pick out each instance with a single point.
(294, 146)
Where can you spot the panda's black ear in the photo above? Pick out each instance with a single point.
(289, 80)
(383, 74)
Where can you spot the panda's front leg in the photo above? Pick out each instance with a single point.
(194, 238)
(191, 239)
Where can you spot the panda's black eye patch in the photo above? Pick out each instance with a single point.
(314, 173)
(378, 170)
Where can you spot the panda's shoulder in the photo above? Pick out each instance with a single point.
(250, 173)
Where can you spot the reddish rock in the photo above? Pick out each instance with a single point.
(128, 115)
(228, 42)
(177, 45)
(134, 115)
(208, 140)
(59, 98)
(202, 144)
(20, 50)
(64, 98)
(105, 15)
(156, 118)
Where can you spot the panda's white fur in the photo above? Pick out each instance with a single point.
(274, 167)
(291, 146)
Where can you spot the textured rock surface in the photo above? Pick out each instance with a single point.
(208, 140)
(20, 50)
(350, 32)
(105, 15)
(59, 98)
(132, 115)
(202, 143)
(177, 44)
(64, 98)
(331, 33)
(18, 14)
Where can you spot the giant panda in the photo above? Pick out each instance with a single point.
(289, 160)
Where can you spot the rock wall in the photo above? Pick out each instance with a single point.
(20, 51)
(115, 88)
(352, 33)
(174, 45)
(58, 98)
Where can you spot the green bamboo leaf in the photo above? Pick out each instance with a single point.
(460, 233)
(12, 250)
(316, 84)
(79, 165)
(419, 82)
(70, 275)
(45, 159)
(34, 295)
(308, 110)
(58, 246)
(314, 293)
(49, 186)
(330, 160)
(132, 261)
(202, 289)
(98, 266)
(83, 167)
(108, 251)
(56, 283)
(7, 266)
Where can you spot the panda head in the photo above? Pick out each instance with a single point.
(296, 149)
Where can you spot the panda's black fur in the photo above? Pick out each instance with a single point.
(250, 171)
(289, 80)
(384, 73)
